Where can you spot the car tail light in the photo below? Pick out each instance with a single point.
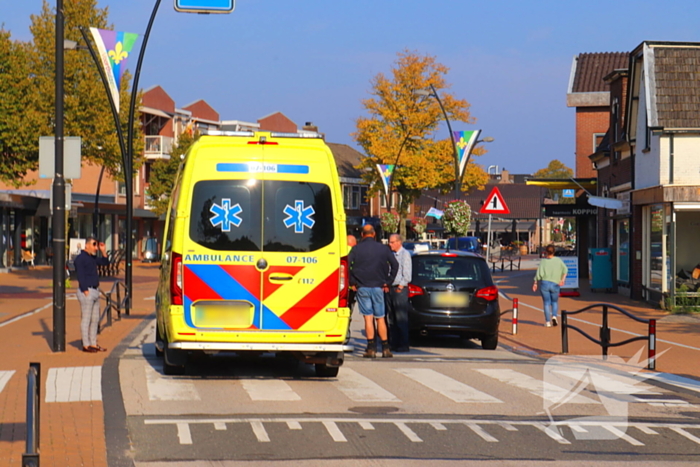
(449, 254)
(176, 280)
(343, 283)
(414, 290)
(489, 293)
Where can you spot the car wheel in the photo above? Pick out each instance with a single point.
(325, 371)
(490, 342)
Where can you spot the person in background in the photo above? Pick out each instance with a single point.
(551, 275)
(397, 298)
(372, 269)
(352, 241)
(88, 293)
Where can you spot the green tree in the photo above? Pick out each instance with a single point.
(556, 170)
(20, 119)
(163, 173)
(87, 111)
(401, 129)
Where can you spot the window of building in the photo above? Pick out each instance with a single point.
(597, 139)
(364, 201)
(352, 196)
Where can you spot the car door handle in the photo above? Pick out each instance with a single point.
(286, 277)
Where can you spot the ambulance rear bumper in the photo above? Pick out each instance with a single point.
(261, 347)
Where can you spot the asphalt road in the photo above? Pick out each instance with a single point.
(446, 402)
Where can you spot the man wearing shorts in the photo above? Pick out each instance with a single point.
(373, 268)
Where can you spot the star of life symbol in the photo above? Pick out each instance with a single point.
(225, 215)
(299, 216)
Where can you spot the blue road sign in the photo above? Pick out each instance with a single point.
(567, 193)
(205, 6)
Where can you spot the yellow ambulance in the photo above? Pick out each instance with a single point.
(255, 253)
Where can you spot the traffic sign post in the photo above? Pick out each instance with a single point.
(495, 204)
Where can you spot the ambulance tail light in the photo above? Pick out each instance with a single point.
(343, 283)
(176, 276)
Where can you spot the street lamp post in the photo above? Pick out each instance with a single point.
(58, 219)
(458, 179)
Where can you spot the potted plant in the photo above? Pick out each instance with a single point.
(457, 217)
(389, 222)
(521, 246)
(419, 224)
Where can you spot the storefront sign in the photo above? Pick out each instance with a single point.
(571, 281)
(625, 198)
(569, 210)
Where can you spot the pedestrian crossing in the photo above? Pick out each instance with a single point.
(357, 387)
(4, 378)
(76, 384)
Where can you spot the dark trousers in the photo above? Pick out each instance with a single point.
(397, 317)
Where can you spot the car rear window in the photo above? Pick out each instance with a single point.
(434, 267)
(230, 215)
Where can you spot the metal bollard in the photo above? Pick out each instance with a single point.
(564, 333)
(31, 457)
(109, 308)
(515, 316)
(651, 361)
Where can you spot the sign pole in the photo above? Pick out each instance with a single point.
(488, 239)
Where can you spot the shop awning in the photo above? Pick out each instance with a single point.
(588, 184)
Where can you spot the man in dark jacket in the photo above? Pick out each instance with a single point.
(88, 291)
(373, 268)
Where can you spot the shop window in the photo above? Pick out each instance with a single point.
(623, 251)
(656, 254)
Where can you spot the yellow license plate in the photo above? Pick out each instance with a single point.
(449, 299)
(223, 314)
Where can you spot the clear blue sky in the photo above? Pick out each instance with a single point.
(313, 59)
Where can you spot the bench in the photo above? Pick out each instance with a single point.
(506, 258)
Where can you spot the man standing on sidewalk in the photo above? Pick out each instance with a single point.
(372, 269)
(397, 298)
(551, 275)
(88, 291)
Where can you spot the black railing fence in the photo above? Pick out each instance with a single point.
(115, 302)
(605, 335)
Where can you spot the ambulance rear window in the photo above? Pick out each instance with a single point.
(226, 215)
(230, 215)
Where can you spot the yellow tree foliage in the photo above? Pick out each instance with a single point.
(403, 128)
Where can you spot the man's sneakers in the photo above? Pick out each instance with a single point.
(554, 321)
(370, 353)
(386, 353)
(548, 324)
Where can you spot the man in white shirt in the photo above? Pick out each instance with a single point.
(397, 298)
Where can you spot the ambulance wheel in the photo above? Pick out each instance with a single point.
(159, 341)
(173, 362)
(325, 371)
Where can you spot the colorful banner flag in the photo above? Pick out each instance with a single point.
(385, 171)
(435, 212)
(114, 49)
(465, 141)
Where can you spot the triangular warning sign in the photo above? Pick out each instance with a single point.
(495, 204)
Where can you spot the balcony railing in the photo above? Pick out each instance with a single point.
(158, 147)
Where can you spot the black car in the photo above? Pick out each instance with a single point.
(452, 292)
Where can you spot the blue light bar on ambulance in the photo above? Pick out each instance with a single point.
(207, 132)
(260, 167)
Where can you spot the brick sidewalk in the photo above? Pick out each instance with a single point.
(678, 336)
(72, 433)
